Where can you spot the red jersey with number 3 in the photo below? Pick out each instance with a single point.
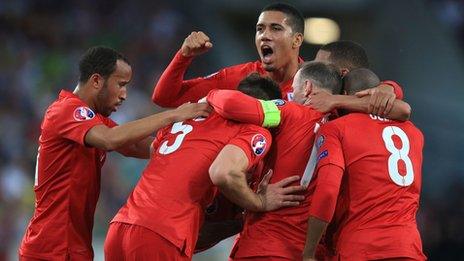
(380, 189)
(175, 187)
(67, 182)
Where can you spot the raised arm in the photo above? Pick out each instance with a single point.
(324, 102)
(235, 105)
(172, 90)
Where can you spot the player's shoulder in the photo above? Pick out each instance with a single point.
(247, 127)
(290, 109)
(246, 68)
(340, 123)
(68, 103)
(411, 129)
(355, 117)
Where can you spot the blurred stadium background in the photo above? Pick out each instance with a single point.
(417, 43)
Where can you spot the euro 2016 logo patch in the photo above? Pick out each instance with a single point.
(258, 144)
(279, 102)
(83, 114)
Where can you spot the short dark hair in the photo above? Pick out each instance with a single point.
(347, 54)
(323, 75)
(259, 87)
(296, 20)
(101, 60)
(360, 79)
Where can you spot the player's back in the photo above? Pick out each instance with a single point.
(283, 230)
(381, 185)
(175, 186)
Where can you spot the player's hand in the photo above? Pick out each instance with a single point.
(191, 110)
(321, 101)
(382, 99)
(195, 44)
(277, 195)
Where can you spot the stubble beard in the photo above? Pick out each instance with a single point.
(102, 98)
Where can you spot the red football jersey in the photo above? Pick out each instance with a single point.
(175, 187)
(67, 182)
(171, 90)
(380, 186)
(283, 230)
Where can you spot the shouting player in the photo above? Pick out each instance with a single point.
(164, 212)
(372, 165)
(279, 35)
(75, 135)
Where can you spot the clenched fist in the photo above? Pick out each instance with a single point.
(195, 44)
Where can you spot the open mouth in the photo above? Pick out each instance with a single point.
(267, 52)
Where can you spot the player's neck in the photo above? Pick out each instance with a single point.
(285, 73)
(84, 94)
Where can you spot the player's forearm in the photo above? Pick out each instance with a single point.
(134, 131)
(351, 103)
(316, 229)
(234, 105)
(167, 92)
(400, 111)
(139, 150)
(234, 186)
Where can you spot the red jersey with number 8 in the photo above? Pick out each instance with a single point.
(379, 194)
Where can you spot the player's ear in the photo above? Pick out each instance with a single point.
(297, 40)
(308, 87)
(96, 81)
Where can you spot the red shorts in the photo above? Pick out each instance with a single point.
(131, 242)
(261, 258)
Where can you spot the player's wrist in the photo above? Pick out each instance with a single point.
(185, 54)
(172, 116)
(261, 204)
(337, 101)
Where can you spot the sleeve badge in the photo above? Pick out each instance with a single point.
(83, 114)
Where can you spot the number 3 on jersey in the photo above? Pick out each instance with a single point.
(397, 155)
(182, 129)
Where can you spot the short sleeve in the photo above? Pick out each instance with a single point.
(396, 89)
(329, 147)
(157, 140)
(73, 120)
(109, 122)
(255, 141)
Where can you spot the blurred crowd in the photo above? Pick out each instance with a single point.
(40, 45)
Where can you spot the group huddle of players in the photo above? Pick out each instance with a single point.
(305, 160)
